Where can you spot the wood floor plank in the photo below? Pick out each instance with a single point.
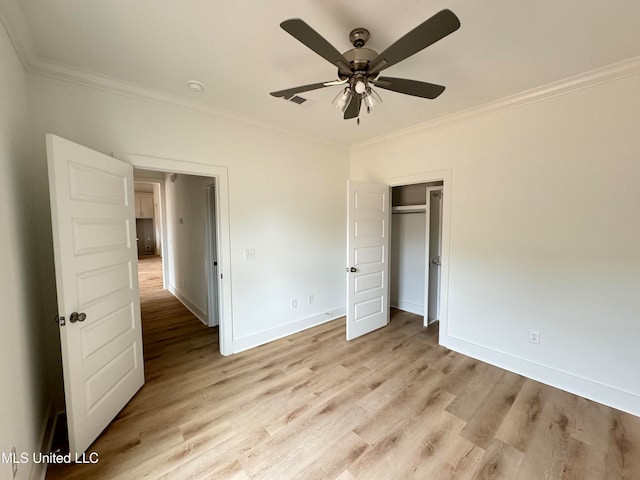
(462, 461)
(517, 427)
(331, 461)
(458, 378)
(446, 454)
(305, 440)
(623, 455)
(592, 424)
(587, 463)
(547, 451)
(312, 406)
(423, 441)
(500, 462)
(475, 391)
(402, 409)
(482, 427)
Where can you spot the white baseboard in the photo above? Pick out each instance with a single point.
(266, 336)
(407, 306)
(584, 387)
(192, 307)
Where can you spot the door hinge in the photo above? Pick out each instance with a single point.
(60, 321)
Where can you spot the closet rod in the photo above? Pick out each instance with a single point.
(409, 209)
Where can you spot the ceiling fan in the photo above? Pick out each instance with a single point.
(359, 67)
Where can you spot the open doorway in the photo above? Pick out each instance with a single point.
(416, 239)
(148, 224)
(442, 180)
(214, 175)
(177, 251)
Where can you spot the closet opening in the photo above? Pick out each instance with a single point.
(416, 249)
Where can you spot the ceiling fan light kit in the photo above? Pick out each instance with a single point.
(371, 98)
(343, 99)
(359, 67)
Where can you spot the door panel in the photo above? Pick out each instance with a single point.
(212, 258)
(371, 281)
(92, 210)
(99, 235)
(367, 257)
(434, 240)
(95, 185)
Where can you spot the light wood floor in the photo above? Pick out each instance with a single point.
(390, 405)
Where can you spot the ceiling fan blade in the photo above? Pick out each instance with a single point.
(290, 92)
(409, 87)
(308, 36)
(353, 110)
(435, 28)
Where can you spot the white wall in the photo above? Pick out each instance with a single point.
(186, 204)
(286, 196)
(544, 234)
(24, 401)
(408, 245)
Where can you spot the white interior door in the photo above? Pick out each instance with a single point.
(94, 240)
(212, 258)
(434, 256)
(369, 209)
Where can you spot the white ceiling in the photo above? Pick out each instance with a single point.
(237, 49)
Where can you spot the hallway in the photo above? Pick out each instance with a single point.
(169, 330)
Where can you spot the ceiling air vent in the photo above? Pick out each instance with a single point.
(304, 102)
(297, 99)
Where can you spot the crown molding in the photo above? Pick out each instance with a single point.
(615, 71)
(16, 26)
(85, 78)
(17, 29)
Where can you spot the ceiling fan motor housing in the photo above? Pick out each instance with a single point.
(360, 57)
(359, 36)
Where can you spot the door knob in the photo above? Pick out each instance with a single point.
(77, 317)
(353, 269)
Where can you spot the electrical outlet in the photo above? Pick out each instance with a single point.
(294, 303)
(14, 462)
(311, 299)
(250, 254)
(534, 336)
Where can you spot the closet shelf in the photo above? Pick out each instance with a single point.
(409, 209)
